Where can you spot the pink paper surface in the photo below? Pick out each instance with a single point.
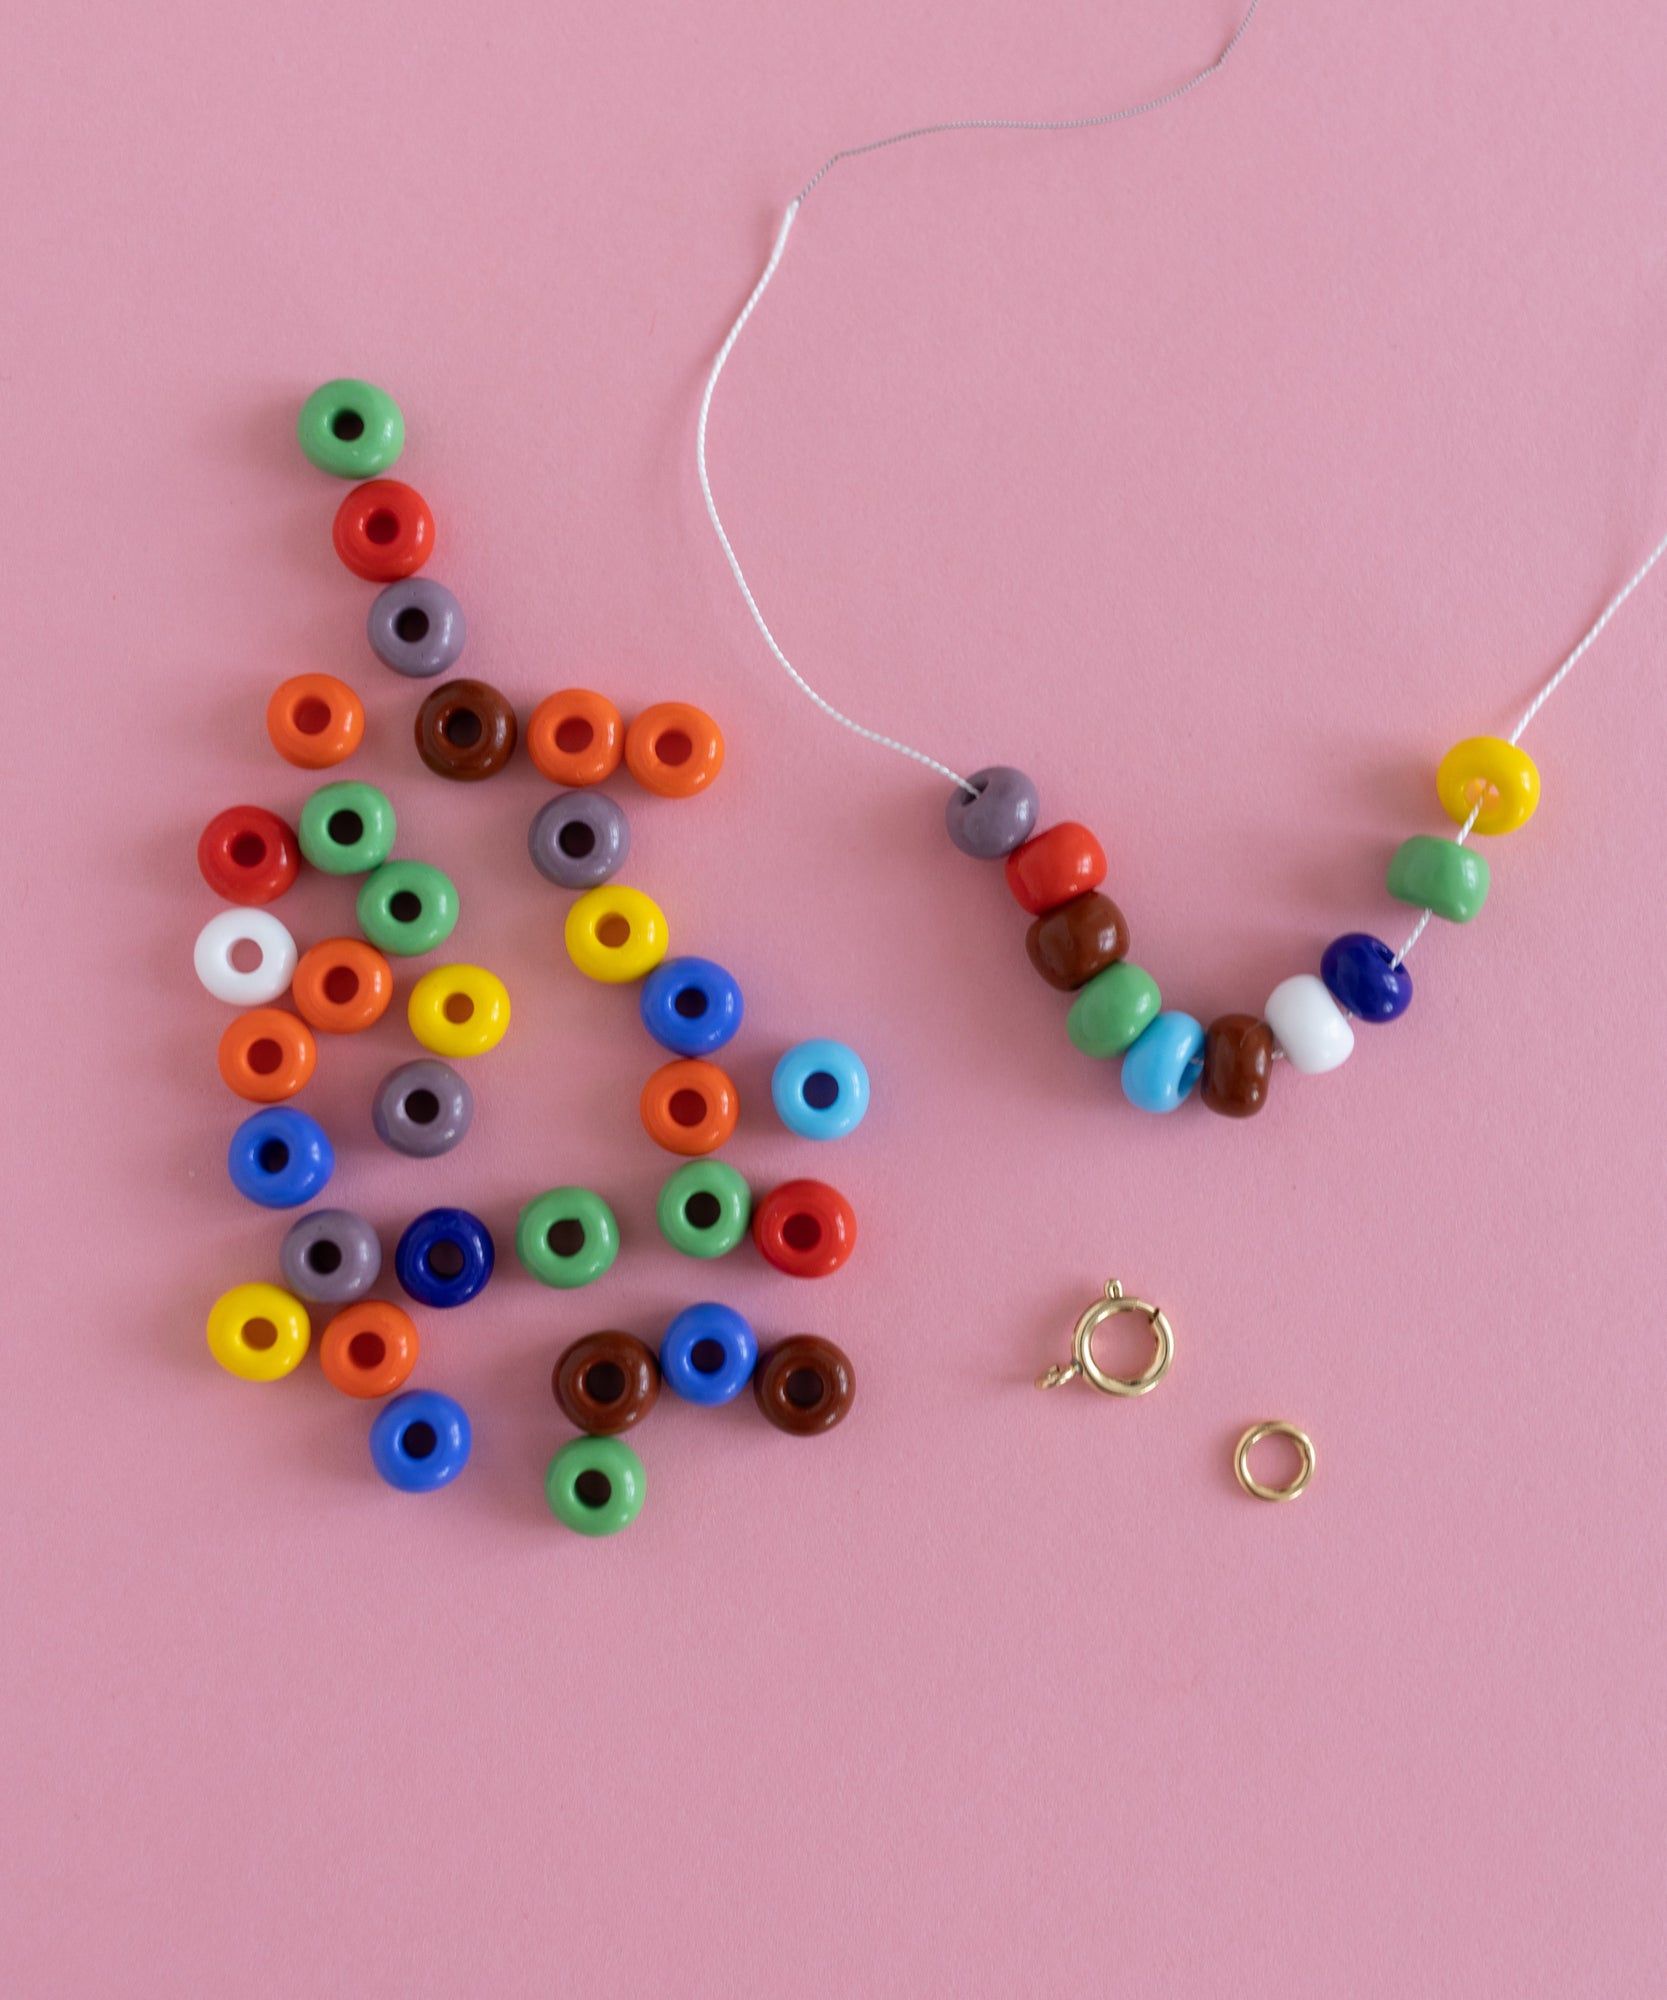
(1220, 470)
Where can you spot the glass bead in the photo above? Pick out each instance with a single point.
(407, 907)
(606, 1382)
(368, 1349)
(596, 1486)
(1112, 1010)
(1487, 771)
(267, 1055)
(707, 1354)
(383, 531)
(615, 934)
(820, 1090)
(691, 1006)
(214, 956)
(248, 855)
(330, 1256)
(315, 721)
(1054, 866)
(804, 1385)
(704, 1209)
(417, 627)
(806, 1229)
(689, 1107)
(576, 737)
(422, 1109)
(1080, 938)
(279, 1157)
(1238, 1065)
(579, 839)
(465, 730)
(342, 986)
(998, 816)
(459, 1010)
(1362, 977)
(1309, 1025)
(1163, 1064)
(347, 828)
(420, 1441)
(445, 1257)
(1439, 875)
(674, 749)
(258, 1333)
(567, 1237)
(351, 429)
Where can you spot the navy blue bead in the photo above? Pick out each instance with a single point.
(420, 1440)
(691, 1006)
(1361, 975)
(445, 1257)
(708, 1354)
(280, 1157)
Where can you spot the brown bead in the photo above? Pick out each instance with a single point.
(1238, 1065)
(465, 730)
(805, 1385)
(606, 1382)
(1082, 937)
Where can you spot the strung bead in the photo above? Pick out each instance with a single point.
(691, 1006)
(417, 627)
(422, 1109)
(1309, 1025)
(1494, 778)
(674, 749)
(606, 1382)
(330, 1256)
(280, 1157)
(1163, 1064)
(615, 934)
(247, 855)
(820, 1090)
(314, 721)
(459, 1010)
(579, 839)
(351, 428)
(1362, 977)
(465, 730)
(258, 1332)
(383, 530)
(444, 1258)
(704, 1209)
(407, 907)
(1110, 1012)
(596, 1486)
(1238, 1065)
(368, 1349)
(342, 986)
(420, 1441)
(999, 815)
(217, 942)
(805, 1385)
(576, 737)
(1080, 938)
(689, 1107)
(267, 1055)
(805, 1229)
(567, 1237)
(1439, 875)
(347, 828)
(707, 1354)
(1050, 869)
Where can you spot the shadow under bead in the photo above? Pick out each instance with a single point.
(465, 730)
(1072, 943)
(606, 1382)
(805, 1385)
(1238, 1065)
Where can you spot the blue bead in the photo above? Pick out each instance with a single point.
(691, 1006)
(1362, 977)
(280, 1157)
(420, 1441)
(820, 1090)
(445, 1257)
(1164, 1062)
(708, 1354)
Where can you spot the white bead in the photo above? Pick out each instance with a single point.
(1308, 1025)
(213, 957)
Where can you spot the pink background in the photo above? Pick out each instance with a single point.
(1221, 470)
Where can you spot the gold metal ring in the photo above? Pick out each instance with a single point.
(1082, 1360)
(1253, 1437)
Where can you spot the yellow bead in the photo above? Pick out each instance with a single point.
(1487, 770)
(258, 1332)
(615, 934)
(459, 1010)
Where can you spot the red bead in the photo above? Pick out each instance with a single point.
(384, 531)
(804, 1228)
(1062, 862)
(248, 855)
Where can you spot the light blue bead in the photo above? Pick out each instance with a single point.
(1164, 1063)
(820, 1090)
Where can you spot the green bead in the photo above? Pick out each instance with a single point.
(351, 429)
(407, 907)
(347, 828)
(567, 1237)
(1113, 1009)
(704, 1209)
(596, 1486)
(1439, 875)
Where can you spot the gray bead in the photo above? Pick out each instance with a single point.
(422, 1108)
(1002, 817)
(579, 839)
(417, 627)
(330, 1256)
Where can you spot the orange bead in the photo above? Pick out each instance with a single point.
(576, 737)
(266, 1055)
(369, 1348)
(1063, 862)
(674, 749)
(342, 985)
(315, 721)
(689, 1107)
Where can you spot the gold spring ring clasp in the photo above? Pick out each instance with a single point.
(1082, 1360)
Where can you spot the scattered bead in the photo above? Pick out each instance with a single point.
(689, 1107)
(704, 1209)
(606, 1382)
(459, 1010)
(351, 429)
(343, 986)
(575, 737)
(417, 627)
(1309, 1025)
(347, 828)
(267, 1055)
(213, 955)
(567, 1237)
(579, 839)
(674, 749)
(820, 1090)
(1362, 977)
(407, 907)
(1163, 1064)
(707, 1354)
(1113, 1009)
(691, 1006)
(368, 1349)
(615, 934)
(1238, 1065)
(805, 1228)
(248, 855)
(1080, 938)
(315, 721)
(998, 816)
(1486, 770)
(1439, 875)
(804, 1385)
(465, 730)
(258, 1333)
(1054, 866)
(280, 1157)
(444, 1258)
(330, 1256)
(596, 1486)
(383, 531)
(422, 1109)
(420, 1441)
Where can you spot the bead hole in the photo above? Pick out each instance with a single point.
(367, 1350)
(576, 840)
(345, 828)
(246, 956)
(566, 1238)
(691, 1003)
(446, 1259)
(613, 931)
(273, 1156)
(405, 906)
(804, 1388)
(324, 1257)
(463, 728)
(347, 425)
(702, 1210)
(820, 1090)
(248, 850)
(686, 1107)
(341, 985)
(310, 715)
(264, 1056)
(411, 625)
(422, 1107)
(259, 1334)
(706, 1357)
(801, 1232)
(673, 747)
(603, 1382)
(381, 527)
(458, 1008)
(593, 1488)
(573, 734)
(418, 1440)
(1478, 792)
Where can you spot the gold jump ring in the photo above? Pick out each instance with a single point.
(1253, 1437)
